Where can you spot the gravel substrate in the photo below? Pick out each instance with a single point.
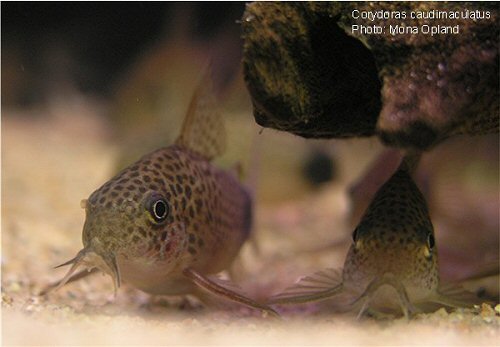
(49, 166)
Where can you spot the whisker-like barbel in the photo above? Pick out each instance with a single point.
(76, 262)
(170, 214)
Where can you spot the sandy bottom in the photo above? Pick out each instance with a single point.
(49, 166)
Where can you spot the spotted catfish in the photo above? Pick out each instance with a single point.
(392, 262)
(172, 219)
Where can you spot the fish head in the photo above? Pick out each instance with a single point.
(395, 237)
(136, 223)
(133, 218)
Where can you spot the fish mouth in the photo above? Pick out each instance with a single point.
(90, 259)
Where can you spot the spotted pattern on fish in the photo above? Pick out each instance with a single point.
(208, 219)
(392, 262)
(170, 220)
(394, 236)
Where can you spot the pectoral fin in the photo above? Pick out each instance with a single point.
(319, 286)
(453, 295)
(221, 288)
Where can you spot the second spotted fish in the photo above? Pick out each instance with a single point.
(172, 220)
(392, 262)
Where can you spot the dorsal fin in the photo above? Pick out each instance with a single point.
(203, 128)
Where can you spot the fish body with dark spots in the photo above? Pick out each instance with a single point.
(205, 226)
(395, 238)
(172, 219)
(392, 263)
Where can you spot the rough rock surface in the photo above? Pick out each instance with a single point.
(305, 75)
(308, 76)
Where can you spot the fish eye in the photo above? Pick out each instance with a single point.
(430, 241)
(159, 209)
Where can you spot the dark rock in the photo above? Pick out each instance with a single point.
(305, 75)
(308, 76)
